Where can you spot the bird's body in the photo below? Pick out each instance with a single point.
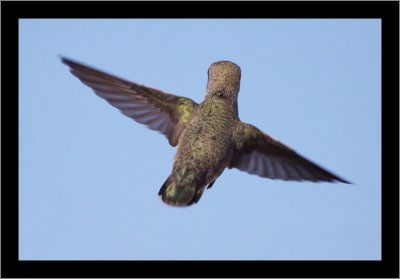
(209, 135)
(205, 149)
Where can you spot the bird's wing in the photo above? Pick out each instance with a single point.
(158, 110)
(257, 153)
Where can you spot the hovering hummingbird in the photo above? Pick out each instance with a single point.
(209, 135)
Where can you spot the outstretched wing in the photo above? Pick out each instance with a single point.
(258, 153)
(158, 110)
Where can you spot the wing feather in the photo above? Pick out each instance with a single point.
(257, 153)
(161, 111)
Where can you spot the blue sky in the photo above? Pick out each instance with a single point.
(89, 176)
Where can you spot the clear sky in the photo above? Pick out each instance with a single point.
(89, 176)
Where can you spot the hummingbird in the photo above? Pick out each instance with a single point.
(210, 136)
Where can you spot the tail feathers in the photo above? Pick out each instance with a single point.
(175, 194)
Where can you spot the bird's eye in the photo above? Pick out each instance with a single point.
(220, 94)
(208, 72)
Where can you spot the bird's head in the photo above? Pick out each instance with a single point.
(223, 80)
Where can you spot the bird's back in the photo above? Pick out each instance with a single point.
(204, 151)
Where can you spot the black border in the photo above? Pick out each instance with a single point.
(388, 11)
